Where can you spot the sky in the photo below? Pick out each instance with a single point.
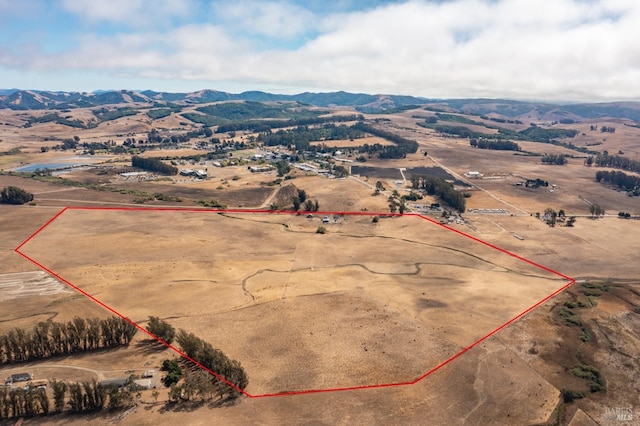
(554, 50)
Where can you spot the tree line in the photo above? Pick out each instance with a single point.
(154, 165)
(215, 360)
(441, 188)
(557, 159)
(403, 146)
(621, 180)
(49, 338)
(258, 126)
(196, 382)
(502, 145)
(533, 133)
(83, 397)
(19, 402)
(615, 161)
(301, 136)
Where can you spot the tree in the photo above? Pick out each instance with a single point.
(402, 207)
(550, 216)
(15, 195)
(302, 195)
(340, 171)
(59, 392)
(76, 397)
(296, 203)
(161, 329)
(283, 167)
(596, 210)
(308, 206)
(173, 370)
(43, 400)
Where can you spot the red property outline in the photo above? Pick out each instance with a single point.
(309, 391)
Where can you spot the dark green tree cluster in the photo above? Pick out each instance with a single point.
(283, 167)
(244, 110)
(538, 134)
(258, 126)
(460, 131)
(207, 120)
(154, 165)
(303, 200)
(173, 370)
(607, 129)
(621, 180)
(556, 159)
(55, 118)
(615, 161)
(162, 112)
(49, 338)
(216, 361)
(105, 114)
(501, 145)
(455, 118)
(441, 188)
(535, 183)
(15, 195)
(397, 203)
(302, 136)
(161, 329)
(403, 146)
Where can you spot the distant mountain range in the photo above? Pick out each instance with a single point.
(43, 100)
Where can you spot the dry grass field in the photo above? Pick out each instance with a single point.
(392, 317)
(363, 304)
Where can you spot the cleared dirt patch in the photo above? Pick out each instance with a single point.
(27, 284)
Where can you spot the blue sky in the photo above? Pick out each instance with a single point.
(560, 50)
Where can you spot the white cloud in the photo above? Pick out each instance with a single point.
(141, 13)
(267, 18)
(546, 49)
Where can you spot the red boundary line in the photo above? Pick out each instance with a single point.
(290, 213)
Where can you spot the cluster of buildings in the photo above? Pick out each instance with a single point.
(198, 173)
(25, 381)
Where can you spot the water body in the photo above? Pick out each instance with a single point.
(63, 163)
(51, 166)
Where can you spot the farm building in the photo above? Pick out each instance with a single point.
(20, 377)
(119, 382)
(144, 384)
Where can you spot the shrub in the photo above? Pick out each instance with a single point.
(570, 395)
(321, 230)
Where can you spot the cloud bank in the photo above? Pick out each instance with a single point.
(520, 49)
